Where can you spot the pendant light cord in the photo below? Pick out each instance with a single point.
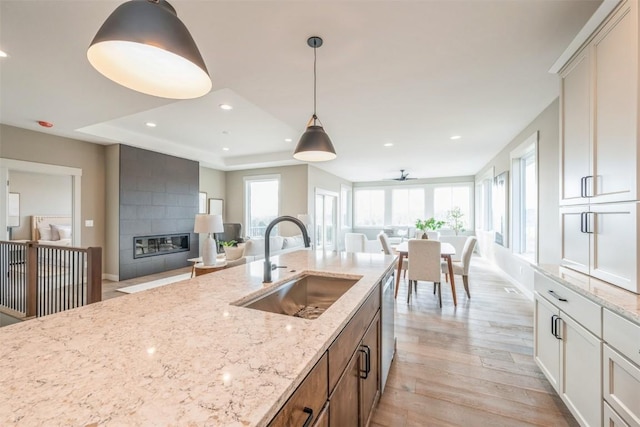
(315, 58)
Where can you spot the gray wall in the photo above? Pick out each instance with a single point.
(39, 195)
(293, 194)
(549, 241)
(158, 195)
(40, 147)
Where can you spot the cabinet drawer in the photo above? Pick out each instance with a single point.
(312, 394)
(611, 419)
(621, 386)
(581, 309)
(622, 334)
(342, 348)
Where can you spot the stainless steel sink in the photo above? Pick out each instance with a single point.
(307, 297)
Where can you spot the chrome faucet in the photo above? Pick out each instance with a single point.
(267, 262)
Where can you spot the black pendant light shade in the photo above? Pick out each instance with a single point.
(144, 46)
(314, 145)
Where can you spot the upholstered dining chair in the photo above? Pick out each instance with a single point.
(355, 242)
(386, 248)
(425, 265)
(462, 267)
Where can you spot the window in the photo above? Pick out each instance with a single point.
(369, 208)
(346, 205)
(407, 205)
(262, 195)
(484, 186)
(525, 198)
(448, 198)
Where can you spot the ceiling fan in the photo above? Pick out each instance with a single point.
(403, 176)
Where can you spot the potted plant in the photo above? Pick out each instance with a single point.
(428, 224)
(231, 250)
(454, 219)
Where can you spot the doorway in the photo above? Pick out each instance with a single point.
(326, 219)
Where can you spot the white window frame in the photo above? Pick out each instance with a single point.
(483, 199)
(389, 204)
(430, 201)
(346, 207)
(247, 201)
(386, 207)
(518, 228)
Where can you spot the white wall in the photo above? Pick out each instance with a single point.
(519, 269)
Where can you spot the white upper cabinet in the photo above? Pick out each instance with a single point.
(599, 115)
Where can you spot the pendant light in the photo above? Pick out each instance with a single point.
(314, 144)
(144, 46)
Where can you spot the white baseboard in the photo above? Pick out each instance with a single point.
(112, 277)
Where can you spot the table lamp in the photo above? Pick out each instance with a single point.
(208, 224)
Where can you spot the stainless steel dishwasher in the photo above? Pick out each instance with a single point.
(388, 333)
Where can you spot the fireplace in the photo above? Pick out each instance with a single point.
(161, 244)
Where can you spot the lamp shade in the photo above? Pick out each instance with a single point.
(314, 146)
(144, 46)
(208, 224)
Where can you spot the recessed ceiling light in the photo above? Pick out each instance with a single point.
(456, 137)
(225, 132)
(151, 124)
(288, 140)
(3, 54)
(225, 148)
(389, 144)
(226, 107)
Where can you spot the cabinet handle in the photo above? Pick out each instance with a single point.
(582, 216)
(587, 222)
(309, 411)
(553, 326)
(587, 193)
(556, 296)
(367, 361)
(582, 186)
(557, 321)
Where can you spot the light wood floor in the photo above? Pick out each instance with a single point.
(470, 366)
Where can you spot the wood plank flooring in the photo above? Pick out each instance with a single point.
(467, 366)
(109, 287)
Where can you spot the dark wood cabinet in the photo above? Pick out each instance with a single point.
(347, 378)
(308, 399)
(345, 398)
(370, 370)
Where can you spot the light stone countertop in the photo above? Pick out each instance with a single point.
(618, 300)
(178, 354)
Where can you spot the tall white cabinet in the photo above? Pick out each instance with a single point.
(600, 155)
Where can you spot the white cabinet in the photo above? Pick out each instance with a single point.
(602, 240)
(568, 349)
(599, 154)
(621, 370)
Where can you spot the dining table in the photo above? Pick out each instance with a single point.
(446, 252)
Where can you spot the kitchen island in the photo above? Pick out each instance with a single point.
(181, 354)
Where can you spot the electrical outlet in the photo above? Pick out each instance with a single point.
(88, 223)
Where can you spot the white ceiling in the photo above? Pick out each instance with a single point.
(412, 73)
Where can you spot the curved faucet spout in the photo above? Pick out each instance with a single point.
(267, 261)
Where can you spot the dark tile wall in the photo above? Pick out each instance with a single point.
(158, 195)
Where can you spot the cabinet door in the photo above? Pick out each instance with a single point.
(575, 113)
(370, 370)
(581, 386)
(323, 417)
(611, 419)
(615, 147)
(575, 240)
(614, 244)
(344, 402)
(546, 345)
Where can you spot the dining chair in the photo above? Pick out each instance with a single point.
(462, 267)
(355, 242)
(386, 248)
(425, 265)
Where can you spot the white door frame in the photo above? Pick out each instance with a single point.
(336, 196)
(7, 165)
